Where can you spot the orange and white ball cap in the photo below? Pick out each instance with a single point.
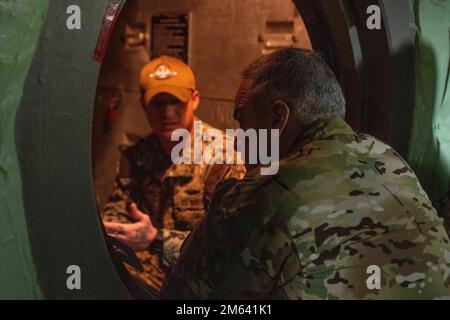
(169, 75)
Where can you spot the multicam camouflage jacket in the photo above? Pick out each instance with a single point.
(340, 203)
(173, 195)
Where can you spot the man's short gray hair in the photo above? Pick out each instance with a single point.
(301, 78)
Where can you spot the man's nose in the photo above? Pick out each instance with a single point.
(170, 111)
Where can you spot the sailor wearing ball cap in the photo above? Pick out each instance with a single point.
(156, 202)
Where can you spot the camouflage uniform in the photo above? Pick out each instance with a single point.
(173, 195)
(340, 203)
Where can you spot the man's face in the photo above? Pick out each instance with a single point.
(244, 113)
(167, 113)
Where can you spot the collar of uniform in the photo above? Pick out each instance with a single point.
(323, 129)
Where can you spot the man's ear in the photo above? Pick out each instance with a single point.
(280, 115)
(195, 99)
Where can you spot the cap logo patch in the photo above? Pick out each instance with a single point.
(162, 72)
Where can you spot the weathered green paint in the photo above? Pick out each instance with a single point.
(54, 142)
(20, 25)
(429, 152)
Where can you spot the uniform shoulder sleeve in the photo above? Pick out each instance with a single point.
(116, 207)
(225, 256)
(219, 173)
